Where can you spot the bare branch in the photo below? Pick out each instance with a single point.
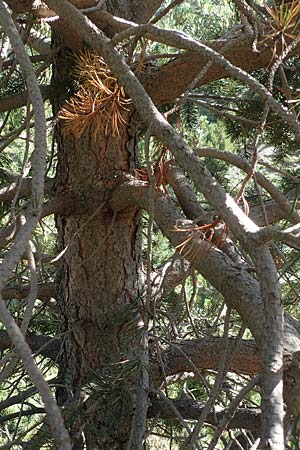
(248, 419)
(231, 412)
(165, 11)
(14, 101)
(205, 353)
(45, 291)
(7, 193)
(239, 162)
(44, 345)
(290, 236)
(273, 211)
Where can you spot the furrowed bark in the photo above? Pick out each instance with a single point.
(100, 282)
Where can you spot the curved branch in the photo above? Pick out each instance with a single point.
(273, 210)
(239, 162)
(169, 81)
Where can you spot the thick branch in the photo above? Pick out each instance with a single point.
(272, 209)
(191, 207)
(7, 193)
(44, 345)
(169, 81)
(240, 289)
(169, 275)
(212, 263)
(244, 418)
(45, 291)
(205, 354)
(14, 101)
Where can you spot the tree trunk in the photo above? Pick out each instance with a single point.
(100, 282)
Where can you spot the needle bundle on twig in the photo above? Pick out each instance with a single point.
(100, 101)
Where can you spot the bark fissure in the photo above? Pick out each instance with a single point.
(100, 284)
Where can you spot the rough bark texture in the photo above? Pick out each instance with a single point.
(206, 353)
(100, 278)
(272, 351)
(99, 281)
(244, 418)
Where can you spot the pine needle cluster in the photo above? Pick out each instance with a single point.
(284, 22)
(100, 101)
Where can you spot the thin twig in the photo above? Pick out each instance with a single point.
(191, 440)
(165, 11)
